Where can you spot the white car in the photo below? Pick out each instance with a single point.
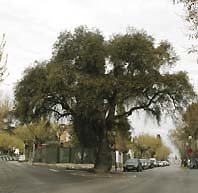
(21, 158)
(161, 164)
(153, 161)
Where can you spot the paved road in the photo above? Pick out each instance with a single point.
(22, 178)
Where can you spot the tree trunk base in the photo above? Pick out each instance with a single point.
(103, 163)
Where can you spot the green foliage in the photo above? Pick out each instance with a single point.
(39, 132)
(85, 47)
(24, 133)
(5, 110)
(191, 13)
(191, 8)
(30, 106)
(120, 137)
(8, 141)
(162, 153)
(88, 78)
(146, 145)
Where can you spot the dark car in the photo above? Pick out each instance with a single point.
(194, 163)
(132, 165)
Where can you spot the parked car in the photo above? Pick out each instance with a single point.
(161, 164)
(21, 158)
(165, 163)
(153, 162)
(149, 164)
(158, 163)
(132, 164)
(194, 163)
(145, 163)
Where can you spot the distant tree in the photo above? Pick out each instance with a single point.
(187, 126)
(3, 59)
(73, 138)
(39, 132)
(9, 141)
(191, 8)
(5, 108)
(35, 133)
(146, 145)
(162, 152)
(179, 139)
(7, 118)
(88, 78)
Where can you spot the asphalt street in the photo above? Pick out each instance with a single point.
(23, 178)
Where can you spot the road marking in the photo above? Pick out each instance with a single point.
(53, 170)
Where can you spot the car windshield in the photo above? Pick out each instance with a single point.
(132, 161)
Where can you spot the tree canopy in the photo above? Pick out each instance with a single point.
(147, 146)
(8, 141)
(187, 126)
(89, 79)
(5, 112)
(39, 132)
(191, 8)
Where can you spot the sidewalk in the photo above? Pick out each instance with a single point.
(66, 166)
(78, 167)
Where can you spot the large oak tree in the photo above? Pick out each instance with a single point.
(88, 79)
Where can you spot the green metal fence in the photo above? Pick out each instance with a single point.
(56, 154)
(78, 155)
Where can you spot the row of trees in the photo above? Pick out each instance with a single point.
(8, 142)
(25, 136)
(96, 84)
(147, 146)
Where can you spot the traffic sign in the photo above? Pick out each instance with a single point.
(190, 150)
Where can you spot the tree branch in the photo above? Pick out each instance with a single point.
(144, 106)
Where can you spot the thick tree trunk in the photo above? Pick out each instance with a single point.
(103, 161)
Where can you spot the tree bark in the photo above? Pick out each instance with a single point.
(103, 162)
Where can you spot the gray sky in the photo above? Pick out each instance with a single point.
(32, 26)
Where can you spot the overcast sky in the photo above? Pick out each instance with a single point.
(32, 26)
